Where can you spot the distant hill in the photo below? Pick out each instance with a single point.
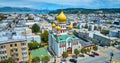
(86, 11)
(24, 9)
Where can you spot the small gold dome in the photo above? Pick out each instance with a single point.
(61, 17)
(70, 27)
(53, 25)
(58, 28)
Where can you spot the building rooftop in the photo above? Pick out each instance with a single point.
(111, 38)
(64, 37)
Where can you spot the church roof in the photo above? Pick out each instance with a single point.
(64, 37)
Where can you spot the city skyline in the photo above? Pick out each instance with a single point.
(56, 4)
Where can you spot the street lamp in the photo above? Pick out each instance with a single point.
(111, 54)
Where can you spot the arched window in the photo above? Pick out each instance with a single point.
(68, 43)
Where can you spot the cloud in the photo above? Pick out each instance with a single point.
(58, 3)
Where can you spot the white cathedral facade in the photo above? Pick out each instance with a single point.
(61, 38)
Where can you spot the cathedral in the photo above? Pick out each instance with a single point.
(61, 38)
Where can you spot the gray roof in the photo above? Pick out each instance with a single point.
(85, 43)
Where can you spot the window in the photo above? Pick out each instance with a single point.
(69, 43)
(17, 55)
(11, 50)
(23, 43)
(15, 44)
(12, 55)
(1, 47)
(4, 51)
(10, 45)
(16, 50)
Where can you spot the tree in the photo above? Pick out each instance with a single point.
(2, 17)
(94, 21)
(88, 50)
(110, 22)
(30, 18)
(36, 60)
(9, 60)
(44, 36)
(65, 55)
(35, 28)
(99, 28)
(86, 26)
(33, 45)
(30, 45)
(46, 59)
(83, 51)
(74, 32)
(95, 48)
(94, 42)
(76, 51)
(105, 32)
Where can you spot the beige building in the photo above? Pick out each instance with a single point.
(17, 50)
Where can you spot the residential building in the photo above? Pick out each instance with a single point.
(33, 37)
(17, 50)
(103, 40)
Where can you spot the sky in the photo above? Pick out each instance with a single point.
(58, 4)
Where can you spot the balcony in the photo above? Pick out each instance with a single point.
(3, 49)
(3, 54)
(24, 55)
(23, 46)
(24, 50)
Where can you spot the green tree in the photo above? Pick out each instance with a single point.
(30, 45)
(2, 17)
(35, 28)
(99, 28)
(76, 51)
(33, 45)
(88, 50)
(44, 36)
(83, 51)
(94, 21)
(14, 21)
(74, 32)
(36, 60)
(9, 60)
(86, 26)
(95, 48)
(65, 55)
(105, 32)
(110, 22)
(46, 59)
(29, 18)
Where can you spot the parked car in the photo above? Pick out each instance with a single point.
(74, 56)
(62, 62)
(95, 53)
(63, 59)
(73, 60)
(81, 55)
(92, 55)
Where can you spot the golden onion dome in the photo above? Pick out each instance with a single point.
(58, 28)
(62, 17)
(53, 25)
(70, 27)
